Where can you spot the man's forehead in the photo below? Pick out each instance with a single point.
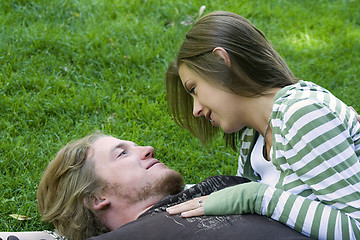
(106, 145)
(110, 143)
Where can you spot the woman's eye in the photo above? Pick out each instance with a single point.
(192, 90)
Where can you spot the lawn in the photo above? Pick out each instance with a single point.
(69, 68)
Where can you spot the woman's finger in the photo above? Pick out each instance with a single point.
(188, 206)
(193, 213)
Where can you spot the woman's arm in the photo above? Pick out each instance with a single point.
(312, 218)
(316, 146)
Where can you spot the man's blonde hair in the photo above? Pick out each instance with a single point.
(67, 185)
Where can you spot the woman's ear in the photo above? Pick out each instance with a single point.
(221, 52)
(97, 203)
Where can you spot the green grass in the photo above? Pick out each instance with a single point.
(69, 68)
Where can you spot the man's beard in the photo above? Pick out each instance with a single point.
(169, 183)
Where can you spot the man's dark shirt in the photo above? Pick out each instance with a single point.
(157, 224)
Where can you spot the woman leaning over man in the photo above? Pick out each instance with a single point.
(299, 144)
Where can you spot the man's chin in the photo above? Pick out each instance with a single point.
(172, 183)
(168, 182)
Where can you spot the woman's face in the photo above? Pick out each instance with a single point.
(222, 108)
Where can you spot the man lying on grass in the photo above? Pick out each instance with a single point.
(101, 185)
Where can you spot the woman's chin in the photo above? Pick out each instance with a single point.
(229, 129)
(226, 130)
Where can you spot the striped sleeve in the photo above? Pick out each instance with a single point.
(314, 149)
(245, 141)
(311, 218)
(246, 144)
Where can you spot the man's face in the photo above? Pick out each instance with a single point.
(131, 171)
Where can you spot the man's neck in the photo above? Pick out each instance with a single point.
(119, 214)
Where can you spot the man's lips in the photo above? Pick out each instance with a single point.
(152, 163)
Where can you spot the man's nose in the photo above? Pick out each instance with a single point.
(147, 152)
(197, 108)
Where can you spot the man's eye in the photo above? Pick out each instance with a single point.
(122, 153)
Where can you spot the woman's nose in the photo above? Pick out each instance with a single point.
(197, 108)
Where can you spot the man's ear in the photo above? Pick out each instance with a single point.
(221, 52)
(97, 203)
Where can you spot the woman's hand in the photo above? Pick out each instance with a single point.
(191, 208)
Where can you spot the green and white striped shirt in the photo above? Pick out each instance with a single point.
(316, 147)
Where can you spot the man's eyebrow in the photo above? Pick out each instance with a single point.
(120, 145)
